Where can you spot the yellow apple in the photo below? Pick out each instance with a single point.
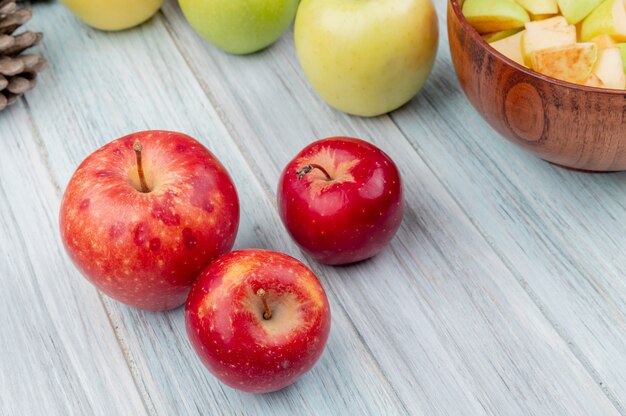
(610, 68)
(576, 10)
(536, 39)
(539, 7)
(113, 14)
(494, 15)
(366, 57)
(511, 47)
(568, 63)
(608, 18)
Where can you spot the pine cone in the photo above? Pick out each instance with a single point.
(18, 72)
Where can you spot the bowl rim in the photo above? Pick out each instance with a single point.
(474, 33)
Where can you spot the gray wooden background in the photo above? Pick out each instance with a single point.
(504, 293)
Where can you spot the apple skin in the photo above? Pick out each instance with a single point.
(366, 57)
(113, 14)
(147, 249)
(349, 218)
(225, 321)
(240, 26)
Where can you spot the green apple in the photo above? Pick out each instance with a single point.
(610, 68)
(539, 7)
(496, 36)
(366, 57)
(622, 49)
(511, 47)
(240, 26)
(576, 10)
(494, 15)
(537, 39)
(571, 63)
(608, 18)
(113, 14)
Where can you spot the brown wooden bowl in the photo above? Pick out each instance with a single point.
(566, 124)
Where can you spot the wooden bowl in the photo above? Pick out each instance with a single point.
(566, 124)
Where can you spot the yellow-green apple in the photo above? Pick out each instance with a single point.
(341, 200)
(541, 35)
(610, 68)
(511, 47)
(257, 319)
(143, 215)
(366, 57)
(240, 26)
(496, 36)
(608, 18)
(568, 63)
(113, 14)
(622, 48)
(576, 10)
(539, 7)
(494, 15)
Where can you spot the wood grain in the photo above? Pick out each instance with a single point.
(571, 125)
(561, 232)
(58, 352)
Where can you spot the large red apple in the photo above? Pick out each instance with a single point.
(258, 319)
(341, 200)
(143, 215)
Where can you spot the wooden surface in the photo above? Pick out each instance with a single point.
(571, 125)
(504, 292)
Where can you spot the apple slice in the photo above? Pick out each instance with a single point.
(622, 48)
(538, 17)
(592, 80)
(511, 47)
(539, 6)
(538, 39)
(604, 41)
(608, 18)
(553, 23)
(610, 68)
(494, 15)
(576, 10)
(495, 36)
(571, 63)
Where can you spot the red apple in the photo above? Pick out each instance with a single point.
(143, 215)
(341, 200)
(258, 319)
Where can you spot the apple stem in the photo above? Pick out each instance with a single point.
(268, 312)
(137, 147)
(308, 168)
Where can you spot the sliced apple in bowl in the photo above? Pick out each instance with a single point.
(488, 16)
(571, 63)
(608, 18)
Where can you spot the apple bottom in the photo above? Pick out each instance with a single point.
(258, 320)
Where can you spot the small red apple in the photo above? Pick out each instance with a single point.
(143, 215)
(258, 319)
(341, 200)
